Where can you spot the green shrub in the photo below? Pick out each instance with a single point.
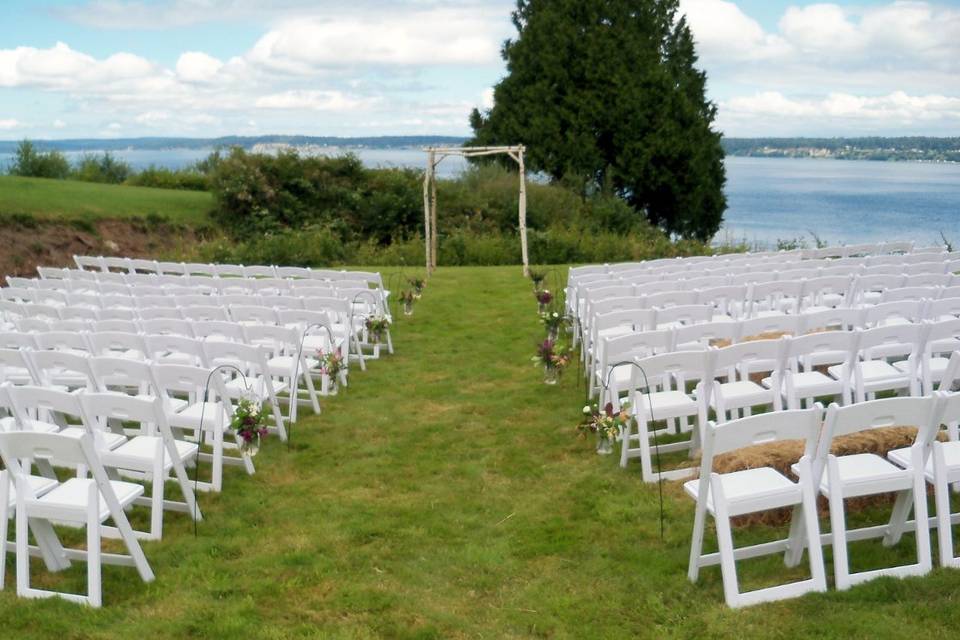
(103, 168)
(31, 163)
(189, 179)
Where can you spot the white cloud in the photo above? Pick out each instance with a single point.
(9, 123)
(722, 30)
(486, 98)
(196, 66)
(314, 101)
(436, 37)
(59, 124)
(772, 113)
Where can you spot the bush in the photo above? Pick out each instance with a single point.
(161, 178)
(322, 247)
(31, 163)
(103, 168)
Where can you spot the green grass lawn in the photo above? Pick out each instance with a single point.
(46, 198)
(445, 495)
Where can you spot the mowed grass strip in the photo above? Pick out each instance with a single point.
(54, 199)
(444, 495)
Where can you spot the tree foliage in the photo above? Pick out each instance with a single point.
(605, 94)
(30, 162)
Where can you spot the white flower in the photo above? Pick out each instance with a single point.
(586, 409)
(556, 315)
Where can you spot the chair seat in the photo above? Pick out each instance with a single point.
(873, 372)
(110, 439)
(814, 383)
(668, 404)
(742, 393)
(40, 486)
(213, 415)
(935, 366)
(258, 387)
(72, 495)
(15, 375)
(866, 474)
(751, 490)
(283, 365)
(138, 453)
(951, 454)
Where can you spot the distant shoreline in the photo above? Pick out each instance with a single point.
(881, 149)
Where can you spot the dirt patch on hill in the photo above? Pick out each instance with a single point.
(25, 245)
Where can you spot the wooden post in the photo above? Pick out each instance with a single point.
(433, 223)
(523, 214)
(427, 179)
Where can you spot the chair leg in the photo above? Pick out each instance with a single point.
(924, 555)
(812, 526)
(838, 528)
(728, 563)
(94, 591)
(4, 522)
(898, 518)
(797, 537)
(696, 543)
(941, 493)
(156, 507)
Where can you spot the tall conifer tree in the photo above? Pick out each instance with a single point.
(606, 94)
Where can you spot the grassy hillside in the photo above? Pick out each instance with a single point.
(73, 199)
(445, 495)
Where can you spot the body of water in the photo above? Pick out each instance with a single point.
(842, 201)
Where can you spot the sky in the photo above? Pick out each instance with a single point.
(202, 68)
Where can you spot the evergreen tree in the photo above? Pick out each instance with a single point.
(605, 93)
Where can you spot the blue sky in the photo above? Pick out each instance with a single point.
(112, 68)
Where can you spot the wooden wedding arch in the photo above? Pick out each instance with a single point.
(436, 155)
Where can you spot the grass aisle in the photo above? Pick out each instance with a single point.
(445, 495)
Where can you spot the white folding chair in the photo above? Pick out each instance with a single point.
(287, 361)
(207, 413)
(247, 375)
(866, 474)
(153, 452)
(658, 392)
(733, 389)
(617, 354)
(175, 349)
(805, 354)
(728, 495)
(874, 372)
(82, 501)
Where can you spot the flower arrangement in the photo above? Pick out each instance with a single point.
(537, 277)
(418, 284)
(553, 358)
(406, 299)
(554, 322)
(249, 423)
(544, 298)
(606, 423)
(331, 363)
(377, 327)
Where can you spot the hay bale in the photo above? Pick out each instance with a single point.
(782, 455)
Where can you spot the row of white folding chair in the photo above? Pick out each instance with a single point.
(92, 278)
(285, 361)
(857, 369)
(626, 320)
(846, 290)
(682, 269)
(839, 253)
(150, 449)
(921, 303)
(339, 317)
(38, 501)
(134, 265)
(904, 471)
(181, 367)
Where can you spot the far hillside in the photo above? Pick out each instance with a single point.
(46, 198)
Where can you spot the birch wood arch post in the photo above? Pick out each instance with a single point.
(436, 155)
